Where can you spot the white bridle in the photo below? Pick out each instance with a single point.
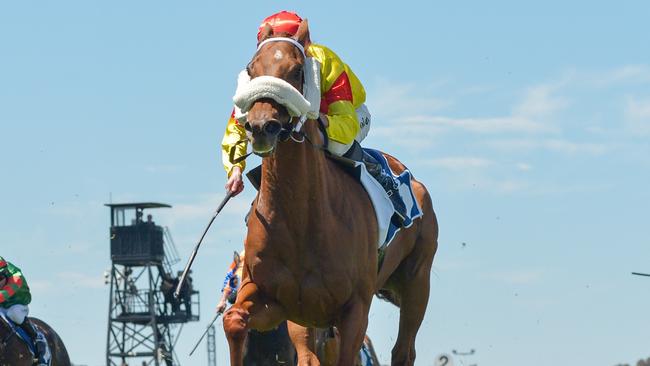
(305, 105)
(283, 39)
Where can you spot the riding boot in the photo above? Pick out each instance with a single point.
(42, 349)
(389, 183)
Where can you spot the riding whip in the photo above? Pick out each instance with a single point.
(181, 281)
(206, 331)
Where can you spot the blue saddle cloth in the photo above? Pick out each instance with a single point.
(20, 332)
(406, 194)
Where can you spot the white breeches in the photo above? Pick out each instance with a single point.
(17, 313)
(363, 115)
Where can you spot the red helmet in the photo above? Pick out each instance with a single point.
(282, 22)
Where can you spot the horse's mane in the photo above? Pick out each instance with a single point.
(4, 326)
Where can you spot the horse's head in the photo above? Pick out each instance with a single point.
(273, 99)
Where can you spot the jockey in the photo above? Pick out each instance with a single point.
(342, 111)
(14, 298)
(231, 282)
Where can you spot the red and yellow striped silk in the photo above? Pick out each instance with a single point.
(234, 133)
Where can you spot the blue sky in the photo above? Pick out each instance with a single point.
(528, 122)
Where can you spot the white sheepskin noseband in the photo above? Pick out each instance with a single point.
(298, 105)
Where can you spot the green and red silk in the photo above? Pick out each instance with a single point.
(15, 291)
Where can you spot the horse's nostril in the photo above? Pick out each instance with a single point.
(272, 127)
(248, 127)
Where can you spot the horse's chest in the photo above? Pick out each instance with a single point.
(309, 291)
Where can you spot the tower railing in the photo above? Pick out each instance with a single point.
(171, 253)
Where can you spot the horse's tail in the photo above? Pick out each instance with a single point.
(60, 355)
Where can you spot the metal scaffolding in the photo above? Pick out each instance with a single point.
(212, 346)
(144, 319)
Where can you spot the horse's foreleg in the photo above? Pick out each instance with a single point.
(305, 342)
(352, 329)
(249, 311)
(235, 325)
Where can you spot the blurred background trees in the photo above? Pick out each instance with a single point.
(640, 362)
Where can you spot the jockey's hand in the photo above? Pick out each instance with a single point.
(235, 183)
(221, 307)
(325, 120)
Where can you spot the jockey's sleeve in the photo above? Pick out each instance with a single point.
(343, 122)
(15, 283)
(233, 134)
(342, 93)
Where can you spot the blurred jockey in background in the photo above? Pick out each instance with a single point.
(231, 282)
(14, 300)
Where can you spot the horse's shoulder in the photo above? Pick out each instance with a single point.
(38, 322)
(47, 330)
(4, 325)
(57, 347)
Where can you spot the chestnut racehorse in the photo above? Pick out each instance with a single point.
(311, 247)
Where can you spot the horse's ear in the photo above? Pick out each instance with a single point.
(302, 34)
(266, 32)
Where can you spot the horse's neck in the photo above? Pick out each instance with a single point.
(5, 329)
(293, 181)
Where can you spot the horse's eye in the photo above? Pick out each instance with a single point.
(297, 73)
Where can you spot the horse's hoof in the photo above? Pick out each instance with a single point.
(235, 323)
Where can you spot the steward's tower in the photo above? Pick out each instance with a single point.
(144, 318)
